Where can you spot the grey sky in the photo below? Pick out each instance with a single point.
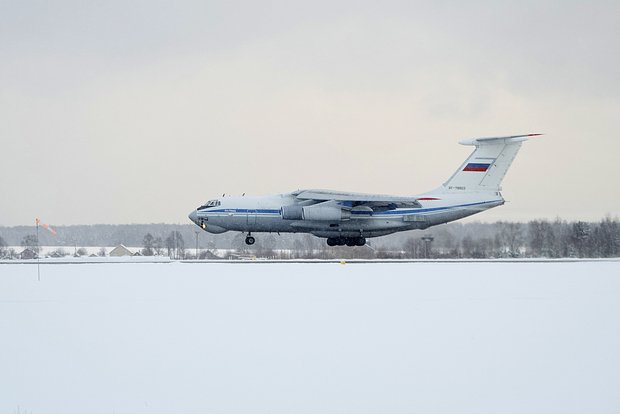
(116, 112)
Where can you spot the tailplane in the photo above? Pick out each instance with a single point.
(486, 167)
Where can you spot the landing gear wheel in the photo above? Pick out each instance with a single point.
(360, 241)
(332, 242)
(250, 240)
(351, 242)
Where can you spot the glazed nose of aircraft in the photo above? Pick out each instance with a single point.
(193, 216)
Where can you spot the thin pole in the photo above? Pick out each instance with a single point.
(38, 257)
(197, 244)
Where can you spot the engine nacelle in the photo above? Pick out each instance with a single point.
(316, 212)
(326, 213)
(292, 212)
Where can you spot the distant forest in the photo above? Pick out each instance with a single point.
(537, 238)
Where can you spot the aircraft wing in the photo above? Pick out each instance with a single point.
(374, 201)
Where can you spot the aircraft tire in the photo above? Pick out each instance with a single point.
(351, 241)
(360, 241)
(250, 240)
(332, 242)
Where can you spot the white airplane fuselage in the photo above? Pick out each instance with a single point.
(350, 218)
(264, 214)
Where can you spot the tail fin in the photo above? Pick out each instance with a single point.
(486, 167)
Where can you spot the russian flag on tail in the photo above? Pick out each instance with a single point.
(473, 166)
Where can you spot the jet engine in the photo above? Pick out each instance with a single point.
(292, 212)
(318, 212)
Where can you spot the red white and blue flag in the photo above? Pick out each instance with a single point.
(474, 166)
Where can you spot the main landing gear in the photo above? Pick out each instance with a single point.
(249, 240)
(349, 241)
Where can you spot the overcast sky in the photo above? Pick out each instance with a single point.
(136, 112)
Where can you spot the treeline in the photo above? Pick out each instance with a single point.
(534, 239)
(537, 238)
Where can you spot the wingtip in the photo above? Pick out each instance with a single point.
(534, 135)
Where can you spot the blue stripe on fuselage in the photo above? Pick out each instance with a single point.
(357, 213)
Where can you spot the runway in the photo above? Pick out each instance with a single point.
(449, 337)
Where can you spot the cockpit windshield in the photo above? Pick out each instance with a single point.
(210, 203)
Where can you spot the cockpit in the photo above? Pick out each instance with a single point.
(209, 204)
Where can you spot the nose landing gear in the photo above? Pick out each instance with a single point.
(249, 240)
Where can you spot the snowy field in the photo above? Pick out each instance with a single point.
(310, 338)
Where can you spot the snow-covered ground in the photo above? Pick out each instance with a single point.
(310, 338)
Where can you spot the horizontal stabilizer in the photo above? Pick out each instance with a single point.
(493, 140)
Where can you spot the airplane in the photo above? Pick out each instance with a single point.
(346, 218)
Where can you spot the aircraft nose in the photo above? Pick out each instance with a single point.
(193, 216)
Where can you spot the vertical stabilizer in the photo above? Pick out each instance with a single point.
(486, 167)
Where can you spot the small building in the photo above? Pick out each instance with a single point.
(208, 255)
(27, 254)
(119, 251)
(236, 256)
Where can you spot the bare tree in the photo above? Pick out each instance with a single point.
(541, 238)
(467, 246)
(414, 247)
(267, 246)
(3, 246)
(606, 238)
(536, 237)
(175, 245)
(158, 246)
(512, 236)
(30, 241)
(148, 243)
(579, 238)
